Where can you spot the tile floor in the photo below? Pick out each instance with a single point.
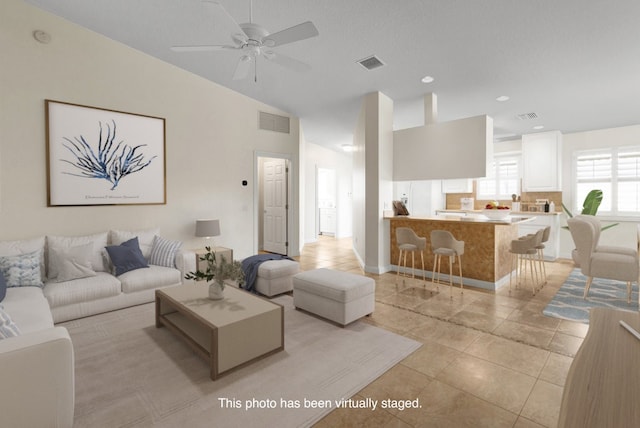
(489, 359)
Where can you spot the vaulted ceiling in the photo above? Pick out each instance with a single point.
(575, 64)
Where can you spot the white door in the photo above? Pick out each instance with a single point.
(275, 206)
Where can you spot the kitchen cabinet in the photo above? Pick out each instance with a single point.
(458, 185)
(542, 162)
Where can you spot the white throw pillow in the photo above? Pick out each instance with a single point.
(56, 243)
(73, 262)
(163, 252)
(145, 239)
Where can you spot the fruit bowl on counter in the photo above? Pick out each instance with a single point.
(496, 211)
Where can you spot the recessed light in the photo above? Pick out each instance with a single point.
(538, 127)
(427, 79)
(502, 98)
(347, 147)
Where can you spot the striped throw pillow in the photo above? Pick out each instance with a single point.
(163, 252)
(7, 327)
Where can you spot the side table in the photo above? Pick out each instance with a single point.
(227, 253)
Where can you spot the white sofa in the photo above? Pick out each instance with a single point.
(37, 366)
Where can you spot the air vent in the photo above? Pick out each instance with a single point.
(273, 122)
(371, 63)
(527, 116)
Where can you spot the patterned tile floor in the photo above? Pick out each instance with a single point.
(490, 359)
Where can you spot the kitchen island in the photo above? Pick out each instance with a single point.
(486, 262)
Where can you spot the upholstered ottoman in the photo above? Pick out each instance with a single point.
(274, 276)
(341, 297)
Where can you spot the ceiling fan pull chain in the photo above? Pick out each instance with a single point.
(250, 11)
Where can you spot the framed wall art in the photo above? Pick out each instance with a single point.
(98, 156)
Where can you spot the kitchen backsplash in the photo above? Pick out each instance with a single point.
(528, 200)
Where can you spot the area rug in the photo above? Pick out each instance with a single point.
(130, 373)
(569, 304)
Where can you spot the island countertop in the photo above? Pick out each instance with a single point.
(454, 218)
(486, 262)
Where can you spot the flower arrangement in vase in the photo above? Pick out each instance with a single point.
(216, 273)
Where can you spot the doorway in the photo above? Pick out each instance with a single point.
(273, 173)
(326, 201)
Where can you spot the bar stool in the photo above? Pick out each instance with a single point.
(523, 250)
(540, 249)
(443, 243)
(409, 241)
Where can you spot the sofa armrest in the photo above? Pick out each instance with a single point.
(186, 262)
(37, 372)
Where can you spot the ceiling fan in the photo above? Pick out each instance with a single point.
(253, 40)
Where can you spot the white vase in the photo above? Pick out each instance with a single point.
(216, 291)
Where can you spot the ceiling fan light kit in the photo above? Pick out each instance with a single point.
(252, 40)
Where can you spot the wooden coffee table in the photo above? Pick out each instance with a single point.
(228, 333)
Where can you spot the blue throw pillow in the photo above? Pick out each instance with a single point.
(126, 256)
(3, 287)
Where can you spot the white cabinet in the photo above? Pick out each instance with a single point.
(552, 246)
(328, 221)
(541, 162)
(458, 185)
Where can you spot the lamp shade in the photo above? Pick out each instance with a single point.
(207, 228)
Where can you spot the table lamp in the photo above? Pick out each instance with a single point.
(207, 229)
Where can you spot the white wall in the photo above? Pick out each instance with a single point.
(320, 157)
(211, 134)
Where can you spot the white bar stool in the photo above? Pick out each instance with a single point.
(443, 243)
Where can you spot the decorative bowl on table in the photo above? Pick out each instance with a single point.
(496, 213)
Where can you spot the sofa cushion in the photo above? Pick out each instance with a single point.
(145, 238)
(163, 252)
(82, 290)
(73, 262)
(126, 256)
(13, 248)
(28, 308)
(7, 327)
(154, 277)
(98, 240)
(22, 270)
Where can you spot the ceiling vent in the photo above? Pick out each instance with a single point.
(527, 116)
(273, 122)
(371, 63)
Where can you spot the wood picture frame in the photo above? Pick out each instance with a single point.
(97, 156)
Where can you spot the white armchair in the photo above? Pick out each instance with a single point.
(616, 263)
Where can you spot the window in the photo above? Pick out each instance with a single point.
(503, 179)
(616, 172)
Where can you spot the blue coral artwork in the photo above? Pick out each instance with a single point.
(104, 157)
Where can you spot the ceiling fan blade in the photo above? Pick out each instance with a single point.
(223, 19)
(201, 48)
(292, 34)
(242, 68)
(287, 61)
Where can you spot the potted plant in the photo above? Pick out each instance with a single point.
(217, 272)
